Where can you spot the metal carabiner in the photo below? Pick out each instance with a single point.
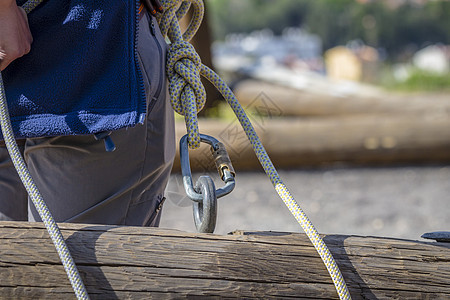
(205, 194)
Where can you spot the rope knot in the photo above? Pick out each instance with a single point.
(174, 10)
(186, 90)
(187, 94)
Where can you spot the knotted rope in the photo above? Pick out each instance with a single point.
(184, 88)
(187, 94)
(187, 97)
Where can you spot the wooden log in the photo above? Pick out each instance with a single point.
(362, 139)
(332, 100)
(136, 263)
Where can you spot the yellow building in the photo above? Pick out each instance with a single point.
(360, 64)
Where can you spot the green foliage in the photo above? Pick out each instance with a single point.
(423, 81)
(339, 21)
(232, 16)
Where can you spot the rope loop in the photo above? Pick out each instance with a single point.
(187, 94)
(174, 10)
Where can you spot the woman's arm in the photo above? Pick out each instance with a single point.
(15, 35)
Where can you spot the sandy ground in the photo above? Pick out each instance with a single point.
(392, 202)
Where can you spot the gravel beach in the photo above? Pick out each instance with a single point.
(401, 202)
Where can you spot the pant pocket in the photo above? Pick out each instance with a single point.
(155, 219)
(146, 213)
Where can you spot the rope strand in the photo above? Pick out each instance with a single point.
(35, 196)
(55, 234)
(188, 97)
(182, 89)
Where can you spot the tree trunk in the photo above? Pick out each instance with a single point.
(338, 100)
(136, 263)
(299, 142)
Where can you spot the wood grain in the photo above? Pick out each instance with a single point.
(137, 263)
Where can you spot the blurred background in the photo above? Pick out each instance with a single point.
(351, 100)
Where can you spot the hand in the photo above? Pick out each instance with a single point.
(15, 35)
(153, 6)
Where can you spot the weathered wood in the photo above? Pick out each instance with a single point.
(362, 139)
(338, 100)
(136, 263)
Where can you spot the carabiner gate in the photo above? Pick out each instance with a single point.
(204, 194)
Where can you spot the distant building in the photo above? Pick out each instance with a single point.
(434, 59)
(295, 48)
(352, 63)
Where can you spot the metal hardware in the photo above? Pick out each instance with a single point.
(106, 137)
(438, 236)
(222, 161)
(205, 213)
(205, 195)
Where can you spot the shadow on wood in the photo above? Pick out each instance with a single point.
(135, 263)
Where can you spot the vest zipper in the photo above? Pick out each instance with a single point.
(142, 109)
(143, 99)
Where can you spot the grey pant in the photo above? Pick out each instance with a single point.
(81, 182)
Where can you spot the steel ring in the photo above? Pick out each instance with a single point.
(205, 213)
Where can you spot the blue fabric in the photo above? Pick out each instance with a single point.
(82, 74)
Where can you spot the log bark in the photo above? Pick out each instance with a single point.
(135, 263)
(362, 139)
(338, 101)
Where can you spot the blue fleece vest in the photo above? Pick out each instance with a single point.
(82, 74)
